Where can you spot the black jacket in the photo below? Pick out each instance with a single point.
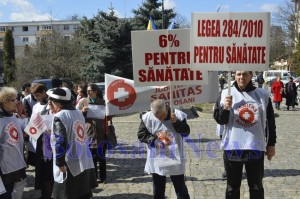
(146, 137)
(222, 116)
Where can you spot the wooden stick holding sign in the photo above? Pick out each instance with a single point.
(229, 82)
(171, 96)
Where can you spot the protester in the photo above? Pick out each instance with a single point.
(12, 164)
(73, 168)
(221, 81)
(248, 116)
(81, 93)
(29, 101)
(277, 90)
(95, 129)
(260, 81)
(43, 160)
(291, 94)
(25, 90)
(162, 131)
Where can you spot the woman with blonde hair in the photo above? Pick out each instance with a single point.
(12, 164)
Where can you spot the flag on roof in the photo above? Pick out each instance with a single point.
(151, 24)
(171, 26)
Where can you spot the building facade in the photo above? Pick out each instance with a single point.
(27, 33)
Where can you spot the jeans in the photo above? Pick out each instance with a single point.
(159, 185)
(255, 173)
(277, 105)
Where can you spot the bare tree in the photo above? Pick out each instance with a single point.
(53, 55)
(286, 17)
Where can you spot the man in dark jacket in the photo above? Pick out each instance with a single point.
(247, 114)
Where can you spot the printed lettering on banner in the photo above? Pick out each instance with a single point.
(230, 41)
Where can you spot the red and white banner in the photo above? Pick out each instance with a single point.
(162, 57)
(123, 97)
(36, 126)
(230, 41)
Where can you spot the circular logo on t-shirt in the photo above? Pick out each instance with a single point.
(80, 132)
(121, 94)
(13, 132)
(247, 115)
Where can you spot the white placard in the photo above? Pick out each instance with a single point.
(163, 56)
(123, 97)
(36, 126)
(96, 111)
(230, 41)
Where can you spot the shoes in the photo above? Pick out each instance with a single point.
(224, 175)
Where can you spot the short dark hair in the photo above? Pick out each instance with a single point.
(24, 86)
(56, 83)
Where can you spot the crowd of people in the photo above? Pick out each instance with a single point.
(64, 167)
(246, 125)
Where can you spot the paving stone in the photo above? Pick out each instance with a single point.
(126, 177)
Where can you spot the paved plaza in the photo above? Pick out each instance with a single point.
(125, 168)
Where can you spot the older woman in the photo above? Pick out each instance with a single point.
(12, 164)
(73, 167)
(291, 94)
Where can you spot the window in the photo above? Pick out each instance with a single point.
(38, 28)
(66, 37)
(2, 29)
(75, 27)
(25, 39)
(47, 27)
(12, 28)
(66, 27)
(1, 39)
(25, 28)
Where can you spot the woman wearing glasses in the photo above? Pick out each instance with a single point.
(91, 108)
(12, 164)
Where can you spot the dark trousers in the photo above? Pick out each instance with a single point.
(9, 189)
(99, 156)
(277, 105)
(255, 173)
(159, 186)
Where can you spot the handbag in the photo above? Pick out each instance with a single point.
(111, 134)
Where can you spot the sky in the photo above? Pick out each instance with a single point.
(41, 10)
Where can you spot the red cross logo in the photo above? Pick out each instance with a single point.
(13, 132)
(121, 94)
(246, 115)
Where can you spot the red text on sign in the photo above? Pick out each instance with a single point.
(167, 58)
(230, 28)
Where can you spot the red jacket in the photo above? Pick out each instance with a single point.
(277, 88)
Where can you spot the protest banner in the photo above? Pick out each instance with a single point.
(162, 57)
(36, 126)
(230, 41)
(123, 97)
